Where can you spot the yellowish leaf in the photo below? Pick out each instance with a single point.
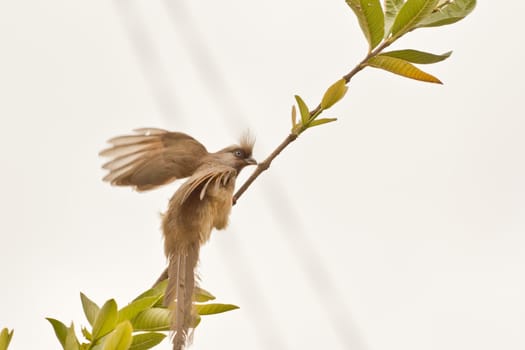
(303, 110)
(334, 93)
(401, 67)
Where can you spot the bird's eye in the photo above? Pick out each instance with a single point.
(238, 153)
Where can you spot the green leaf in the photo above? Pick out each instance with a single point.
(371, 19)
(392, 7)
(201, 295)
(154, 319)
(321, 121)
(415, 56)
(450, 12)
(157, 290)
(146, 341)
(334, 93)
(86, 333)
(197, 321)
(71, 342)
(135, 307)
(60, 330)
(303, 109)
(294, 116)
(5, 338)
(210, 309)
(98, 346)
(106, 319)
(90, 308)
(411, 14)
(401, 67)
(119, 338)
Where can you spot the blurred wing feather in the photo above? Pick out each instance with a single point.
(151, 158)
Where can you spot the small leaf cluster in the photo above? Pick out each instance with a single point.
(309, 119)
(140, 325)
(382, 28)
(382, 25)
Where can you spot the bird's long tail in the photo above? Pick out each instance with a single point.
(179, 292)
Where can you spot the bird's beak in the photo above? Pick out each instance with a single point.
(250, 161)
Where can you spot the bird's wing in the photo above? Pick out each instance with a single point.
(151, 158)
(207, 175)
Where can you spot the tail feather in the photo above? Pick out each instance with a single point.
(179, 293)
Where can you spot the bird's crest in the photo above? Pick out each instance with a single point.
(246, 142)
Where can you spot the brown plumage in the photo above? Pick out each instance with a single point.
(154, 157)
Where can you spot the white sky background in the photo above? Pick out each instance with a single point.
(410, 210)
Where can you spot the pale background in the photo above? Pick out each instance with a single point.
(401, 226)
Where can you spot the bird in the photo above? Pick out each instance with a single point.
(152, 157)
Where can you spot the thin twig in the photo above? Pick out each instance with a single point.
(264, 165)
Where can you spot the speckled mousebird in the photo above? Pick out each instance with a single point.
(153, 157)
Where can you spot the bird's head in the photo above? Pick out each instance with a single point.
(239, 156)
